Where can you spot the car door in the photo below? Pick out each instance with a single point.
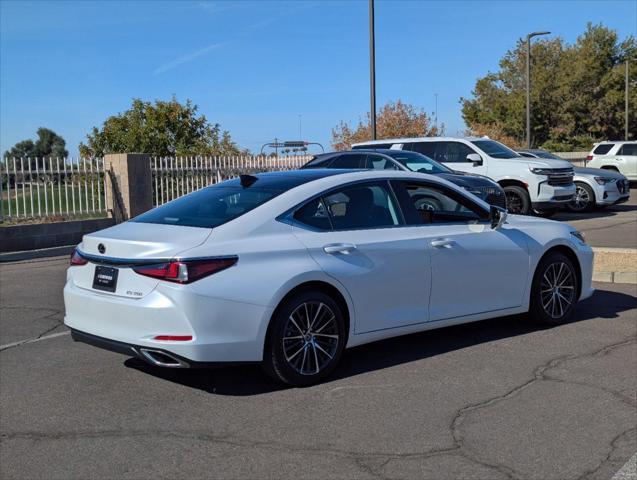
(358, 236)
(627, 160)
(474, 268)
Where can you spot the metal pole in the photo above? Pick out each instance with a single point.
(436, 115)
(300, 125)
(528, 84)
(528, 91)
(626, 105)
(372, 69)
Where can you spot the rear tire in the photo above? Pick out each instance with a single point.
(554, 290)
(518, 200)
(584, 199)
(305, 340)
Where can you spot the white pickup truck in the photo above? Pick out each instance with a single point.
(532, 185)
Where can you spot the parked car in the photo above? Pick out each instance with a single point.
(540, 186)
(385, 159)
(290, 268)
(594, 187)
(618, 156)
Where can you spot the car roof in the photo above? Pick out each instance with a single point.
(614, 142)
(419, 139)
(386, 151)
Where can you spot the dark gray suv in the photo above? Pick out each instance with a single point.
(386, 159)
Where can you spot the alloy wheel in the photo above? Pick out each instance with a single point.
(557, 289)
(514, 202)
(310, 338)
(581, 199)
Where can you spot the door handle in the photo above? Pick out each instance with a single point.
(442, 243)
(339, 248)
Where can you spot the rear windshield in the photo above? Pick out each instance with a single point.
(208, 207)
(495, 149)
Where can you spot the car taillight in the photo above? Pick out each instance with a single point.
(186, 271)
(589, 157)
(77, 259)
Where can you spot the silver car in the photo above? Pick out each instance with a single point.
(595, 187)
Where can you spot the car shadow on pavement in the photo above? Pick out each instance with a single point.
(248, 380)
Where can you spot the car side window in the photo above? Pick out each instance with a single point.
(425, 203)
(602, 149)
(628, 149)
(314, 214)
(321, 161)
(362, 206)
(378, 162)
(526, 154)
(428, 149)
(453, 152)
(351, 160)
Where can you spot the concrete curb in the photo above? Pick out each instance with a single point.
(615, 265)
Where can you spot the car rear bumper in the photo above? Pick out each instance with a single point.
(221, 330)
(154, 356)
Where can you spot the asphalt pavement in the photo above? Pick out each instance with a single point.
(614, 226)
(494, 399)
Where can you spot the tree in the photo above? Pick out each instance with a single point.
(48, 144)
(577, 92)
(163, 129)
(395, 119)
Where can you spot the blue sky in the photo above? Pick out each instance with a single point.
(255, 66)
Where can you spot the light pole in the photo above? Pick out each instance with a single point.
(372, 69)
(626, 105)
(436, 114)
(528, 84)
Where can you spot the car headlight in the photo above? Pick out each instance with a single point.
(579, 235)
(604, 180)
(541, 171)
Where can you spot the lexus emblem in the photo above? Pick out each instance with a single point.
(101, 248)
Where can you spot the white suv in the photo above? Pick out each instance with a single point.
(531, 185)
(618, 156)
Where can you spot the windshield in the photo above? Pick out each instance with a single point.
(417, 162)
(208, 207)
(495, 149)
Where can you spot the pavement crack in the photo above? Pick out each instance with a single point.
(539, 374)
(613, 446)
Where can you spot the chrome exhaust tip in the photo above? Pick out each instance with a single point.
(162, 358)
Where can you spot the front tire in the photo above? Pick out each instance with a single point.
(545, 213)
(583, 200)
(518, 200)
(306, 339)
(554, 290)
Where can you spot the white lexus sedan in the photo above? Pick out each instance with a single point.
(288, 269)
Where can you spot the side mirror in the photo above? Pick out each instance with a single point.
(475, 159)
(498, 216)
